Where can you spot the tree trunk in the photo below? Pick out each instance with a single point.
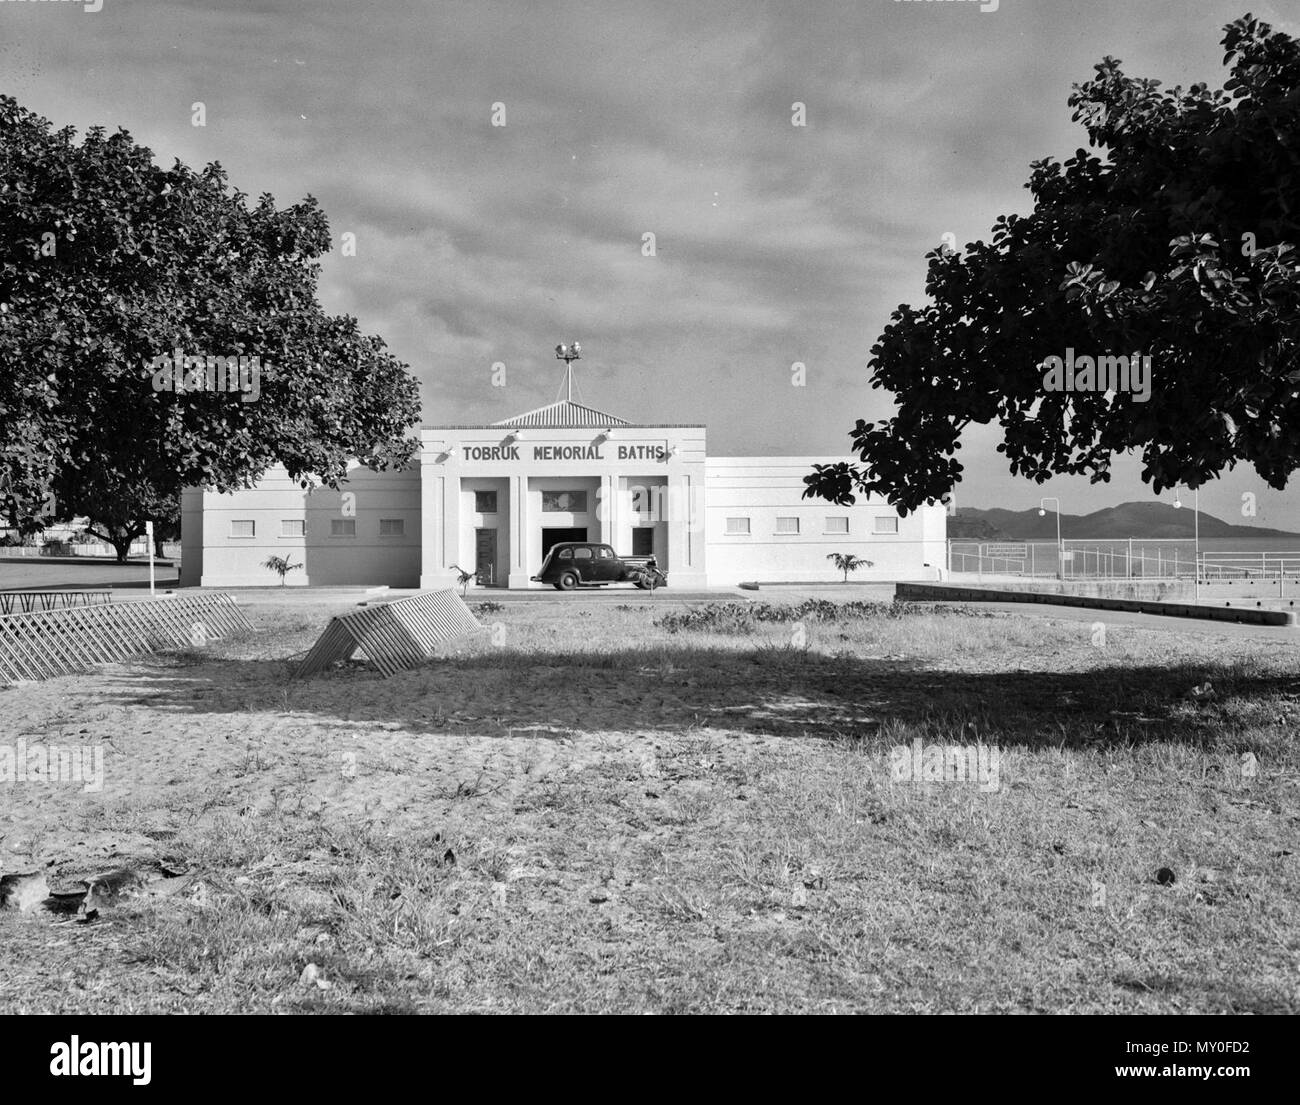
(122, 546)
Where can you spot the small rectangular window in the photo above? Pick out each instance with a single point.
(883, 524)
(243, 527)
(485, 502)
(643, 541)
(737, 525)
(564, 502)
(343, 527)
(293, 527)
(837, 523)
(581, 553)
(392, 527)
(787, 525)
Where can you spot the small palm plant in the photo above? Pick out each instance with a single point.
(281, 566)
(847, 563)
(462, 577)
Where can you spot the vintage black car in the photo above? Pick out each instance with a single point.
(572, 564)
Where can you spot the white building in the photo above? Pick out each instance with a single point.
(492, 499)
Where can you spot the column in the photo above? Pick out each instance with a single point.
(607, 511)
(519, 523)
(686, 530)
(433, 487)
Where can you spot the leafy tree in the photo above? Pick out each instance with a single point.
(107, 262)
(1175, 239)
(463, 577)
(281, 566)
(167, 527)
(847, 563)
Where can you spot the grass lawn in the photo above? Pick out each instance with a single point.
(586, 810)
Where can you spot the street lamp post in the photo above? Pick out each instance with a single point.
(568, 354)
(1196, 541)
(1060, 552)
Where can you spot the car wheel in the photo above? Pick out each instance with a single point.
(567, 582)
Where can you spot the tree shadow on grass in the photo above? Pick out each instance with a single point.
(774, 691)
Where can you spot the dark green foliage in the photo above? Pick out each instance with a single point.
(108, 261)
(1175, 238)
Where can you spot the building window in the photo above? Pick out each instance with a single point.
(643, 541)
(787, 525)
(243, 527)
(293, 527)
(564, 502)
(882, 524)
(837, 523)
(392, 527)
(737, 525)
(647, 500)
(343, 527)
(485, 502)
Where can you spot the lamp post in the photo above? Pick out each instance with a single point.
(568, 354)
(1060, 552)
(1196, 540)
(950, 508)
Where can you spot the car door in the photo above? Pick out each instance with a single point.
(585, 562)
(607, 569)
(563, 558)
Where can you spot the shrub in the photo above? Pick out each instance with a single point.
(746, 617)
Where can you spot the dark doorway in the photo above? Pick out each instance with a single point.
(485, 547)
(643, 540)
(555, 536)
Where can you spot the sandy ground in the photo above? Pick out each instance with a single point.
(230, 729)
(185, 735)
(638, 797)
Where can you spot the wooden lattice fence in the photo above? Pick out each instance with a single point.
(46, 643)
(393, 636)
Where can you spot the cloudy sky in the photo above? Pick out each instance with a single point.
(774, 244)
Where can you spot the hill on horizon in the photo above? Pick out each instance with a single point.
(1141, 520)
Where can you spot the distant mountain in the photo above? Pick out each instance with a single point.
(972, 525)
(1145, 520)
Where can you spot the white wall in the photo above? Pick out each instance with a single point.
(434, 498)
(763, 489)
(366, 559)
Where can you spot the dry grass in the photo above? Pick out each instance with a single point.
(601, 815)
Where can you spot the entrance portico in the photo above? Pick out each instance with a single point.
(494, 497)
